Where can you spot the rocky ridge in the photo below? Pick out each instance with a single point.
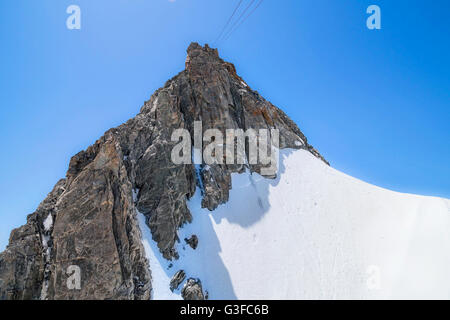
(90, 218)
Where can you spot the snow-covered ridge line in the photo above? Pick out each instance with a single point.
(314, 233)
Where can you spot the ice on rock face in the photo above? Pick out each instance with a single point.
(48, 222)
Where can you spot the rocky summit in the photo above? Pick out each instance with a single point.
(90, 218)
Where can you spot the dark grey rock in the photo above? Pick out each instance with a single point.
(192, 241)
(177, 279)
(192, 290)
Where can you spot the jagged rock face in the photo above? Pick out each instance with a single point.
(128, 172)
(96, 229)
(192, 241)
(24, 265)
(193, 290)
(177, 279)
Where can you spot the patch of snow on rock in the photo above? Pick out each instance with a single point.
(48, 222)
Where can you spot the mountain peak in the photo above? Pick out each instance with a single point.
(197, 55)
(129, 173)
(195, 49)
(201, 60)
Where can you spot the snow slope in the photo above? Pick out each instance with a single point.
(313, 233)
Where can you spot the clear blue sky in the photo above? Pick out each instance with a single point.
(374, 103)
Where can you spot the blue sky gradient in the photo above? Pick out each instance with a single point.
(375, 103)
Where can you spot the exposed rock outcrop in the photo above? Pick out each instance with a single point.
(193, 290)
(89, 219)
(177, 279)
(192, 241)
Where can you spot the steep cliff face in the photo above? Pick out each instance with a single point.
(89, 220)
